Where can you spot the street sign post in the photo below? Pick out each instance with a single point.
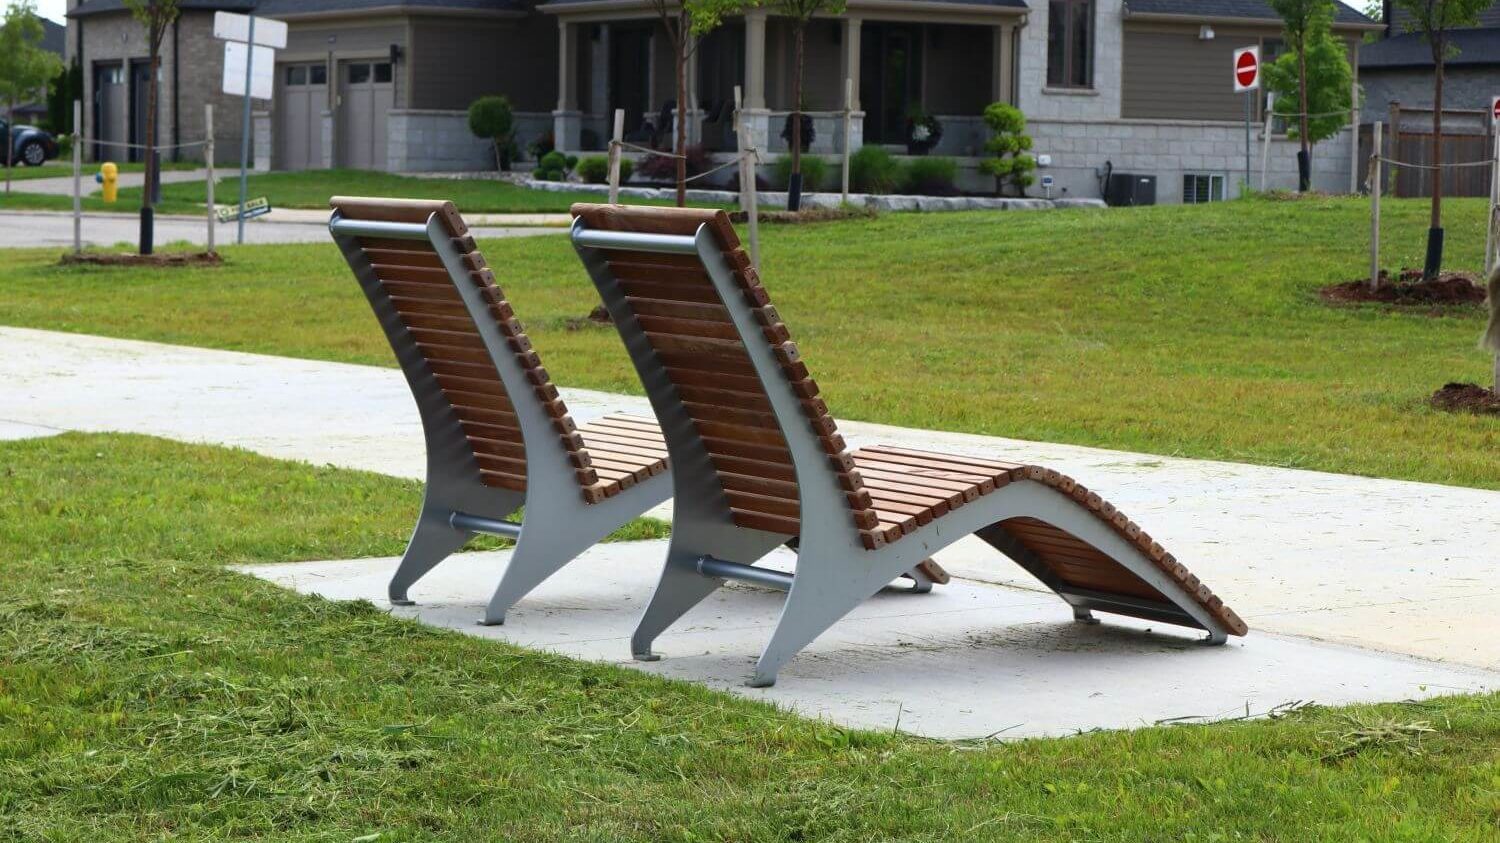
(250, 45)
(1247, 82)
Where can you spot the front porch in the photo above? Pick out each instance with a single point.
(617, 55)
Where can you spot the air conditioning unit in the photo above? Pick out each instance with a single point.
(1127, 189)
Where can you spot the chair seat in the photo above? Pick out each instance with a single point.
(623, 450)
(911, 488)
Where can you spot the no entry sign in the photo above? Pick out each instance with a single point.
(1246, 69)
(1495, 110)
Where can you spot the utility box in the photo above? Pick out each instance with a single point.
(1127, 189)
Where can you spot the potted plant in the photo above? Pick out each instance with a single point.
(923, 131)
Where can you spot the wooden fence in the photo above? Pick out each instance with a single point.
(1467, 136)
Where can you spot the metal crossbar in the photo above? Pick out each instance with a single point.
(481, 524)
(671, 244)
(374, 228)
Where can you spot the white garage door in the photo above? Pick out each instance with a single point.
(301, 98)
(366, 93)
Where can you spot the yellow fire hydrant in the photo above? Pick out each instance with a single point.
(109, 176)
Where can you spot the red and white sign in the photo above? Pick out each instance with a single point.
(1246, 69)
(1495, 110)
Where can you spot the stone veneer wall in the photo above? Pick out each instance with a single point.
(421, 140)
(1168, 149)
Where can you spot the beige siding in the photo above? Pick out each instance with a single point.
(456, 60)
(1173, 75)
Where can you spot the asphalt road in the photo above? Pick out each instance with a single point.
(25, 229)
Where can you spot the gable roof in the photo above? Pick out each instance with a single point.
(54, 37)
(1474, 47)
(555, 5)
(289, 8)
(1233, 9)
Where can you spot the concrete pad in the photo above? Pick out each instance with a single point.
(969, 660)
(1388, 564)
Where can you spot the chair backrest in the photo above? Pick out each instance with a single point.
(411, 256)
(694, 341)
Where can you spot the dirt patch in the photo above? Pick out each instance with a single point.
(808, 215)
(597, 318)
(167, 259)
(1408, 289)
(1466, 398)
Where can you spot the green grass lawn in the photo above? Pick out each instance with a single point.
(147, 693)
(1191, 331)
(62, 169)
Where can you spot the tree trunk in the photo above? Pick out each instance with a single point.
(10, 144)
(682, 106)
(1302, 92)
(1435, 229)
(147, 198)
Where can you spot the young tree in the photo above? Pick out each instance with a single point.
(685, 21)
(25, 67)
(1315, 69)
(157, 16)
(1434, 19)
(800, 12)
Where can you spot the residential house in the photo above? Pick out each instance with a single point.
(370, 84)
(1124, 86)
(1138, 86)
(1398, 67)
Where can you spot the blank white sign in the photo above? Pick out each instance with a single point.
(263, 70)
(231, 27)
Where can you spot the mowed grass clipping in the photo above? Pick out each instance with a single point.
(1190, 331)
(148, 693)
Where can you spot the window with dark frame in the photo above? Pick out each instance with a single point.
(1070, 44)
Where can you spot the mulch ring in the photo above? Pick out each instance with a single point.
(1449, 288)
(164, 259)
(806, 215)
(1466, 398)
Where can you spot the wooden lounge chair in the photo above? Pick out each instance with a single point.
(757, 459)
(498, 436)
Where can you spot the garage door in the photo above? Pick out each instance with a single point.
(300, 101)
(366, 93)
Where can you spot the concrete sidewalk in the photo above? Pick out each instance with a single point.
(1390, 565)
(27, 229)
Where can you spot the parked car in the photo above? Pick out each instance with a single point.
(31, 146)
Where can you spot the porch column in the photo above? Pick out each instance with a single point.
(851, 64)
(757, 118)
(567, 122)
(1003, 87)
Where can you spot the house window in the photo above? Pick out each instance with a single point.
(296, 75)
(1198, 188)
(1070, 43)
(383, 72)
(318, 74)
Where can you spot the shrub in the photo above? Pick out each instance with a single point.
(1009, 145)
(554, 166)
(491, 118)
(931, 176)
(873, 170)
(595, 169)
(814, 172)
(663, 168)
(541, 146)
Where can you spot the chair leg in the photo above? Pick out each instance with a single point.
(681, 588)
(529, 566)
(431, 542)
(813, 605)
